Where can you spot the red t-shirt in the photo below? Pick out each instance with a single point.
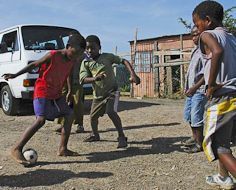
(52, 77)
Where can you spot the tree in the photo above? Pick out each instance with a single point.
(229, 21)
(187, 25)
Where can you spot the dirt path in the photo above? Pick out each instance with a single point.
(154, 159)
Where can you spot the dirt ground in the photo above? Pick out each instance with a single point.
(154, 159)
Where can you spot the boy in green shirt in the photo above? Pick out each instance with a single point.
(97, 69)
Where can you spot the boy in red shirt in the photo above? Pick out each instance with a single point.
(48, 101)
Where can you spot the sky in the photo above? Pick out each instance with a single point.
(114, 21)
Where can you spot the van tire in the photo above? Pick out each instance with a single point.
(9, 104)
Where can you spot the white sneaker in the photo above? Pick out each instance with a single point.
(218, 181)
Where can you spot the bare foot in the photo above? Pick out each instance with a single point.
(18, 157)
(67, 153)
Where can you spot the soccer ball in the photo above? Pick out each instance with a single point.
(30, 155)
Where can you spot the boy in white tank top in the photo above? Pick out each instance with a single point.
(219, 51)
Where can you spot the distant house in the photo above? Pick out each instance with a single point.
(161, 63)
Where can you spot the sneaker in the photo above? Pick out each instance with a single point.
(122, 142)
(92, 138)
(80, 129)
(188, 142)
(218, 181)
(194, 148)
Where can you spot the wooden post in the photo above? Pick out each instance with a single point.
(156, 73)
(169, 77)
(181, 66)
(133, 60)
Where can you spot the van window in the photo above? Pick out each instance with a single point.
(45, 37)
(9, 42)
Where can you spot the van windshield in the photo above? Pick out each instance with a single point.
(45, 37)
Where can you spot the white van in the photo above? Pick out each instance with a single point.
(19, 46)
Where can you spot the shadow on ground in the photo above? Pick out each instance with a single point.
(160, 145)
(47, 177)
(141, 126)
(123, 105)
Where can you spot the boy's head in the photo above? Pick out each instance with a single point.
(195, 35)
(75, 45)
(93, 46)
(208, 15)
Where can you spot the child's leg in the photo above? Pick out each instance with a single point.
(65, 134)
(112, 113)
(221, 145)
(61, 108)
(16, 151)
(197, 116)
(60, 121)
(122, 140)
(117, 122)
(94, 125)
(97, 109)
(227, 162)
(79, 107)
(198, 134)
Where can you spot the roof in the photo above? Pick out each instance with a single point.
(160, 37)
(21, 25)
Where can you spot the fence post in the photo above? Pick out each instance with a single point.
(182, 75)
(156, 72)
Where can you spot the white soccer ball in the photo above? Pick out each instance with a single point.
(31, 155)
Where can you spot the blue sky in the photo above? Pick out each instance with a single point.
(114, 21)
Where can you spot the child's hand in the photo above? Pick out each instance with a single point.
(101, 76)
(211, 90)
(135, 79)
(190, 92)
(8, 76)
(69, 97)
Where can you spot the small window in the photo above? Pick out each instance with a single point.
(9, 42)
(143, 61)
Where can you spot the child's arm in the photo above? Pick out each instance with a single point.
(93, 79)
(45, 59)
(191, 91)
(133, 77)
(86, 76)
(212, 46)
(69, 88)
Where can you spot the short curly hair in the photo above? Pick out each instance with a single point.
(209, 8)
(76, 39)
(93, 38)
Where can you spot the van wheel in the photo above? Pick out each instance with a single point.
(9, 104)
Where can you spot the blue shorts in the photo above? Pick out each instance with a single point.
(51, 109)
(194, 109)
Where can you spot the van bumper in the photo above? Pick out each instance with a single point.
(27, 95)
